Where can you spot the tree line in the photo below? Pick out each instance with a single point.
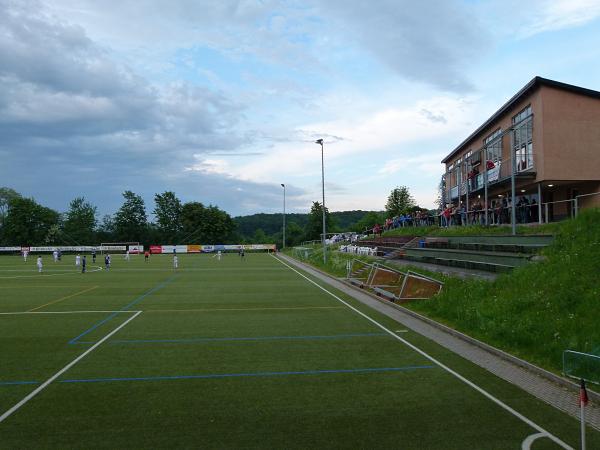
(23, 221)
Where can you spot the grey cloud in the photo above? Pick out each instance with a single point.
(432, 41)
(433, 117)
(74, 122)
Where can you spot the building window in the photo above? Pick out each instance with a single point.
(523, 141)
(493, 144)
(522, 115)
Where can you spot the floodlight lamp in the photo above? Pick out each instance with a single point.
(319, 141)
(282, 185)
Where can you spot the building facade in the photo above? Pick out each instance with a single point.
(541, 148)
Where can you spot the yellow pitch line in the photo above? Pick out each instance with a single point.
(65, 298)
(241, 309)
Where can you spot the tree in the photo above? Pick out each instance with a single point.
(399, 202)
(439, 201)
(219, 226)
(260, 237)
(6, 195)
(206, 225)
(314, 228)
(130, 220)
(27, 222)
(192, 217)
(80, 222)
(168, 212)
(368, 221)
(106, 229)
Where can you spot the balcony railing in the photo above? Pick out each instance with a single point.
(500, 171)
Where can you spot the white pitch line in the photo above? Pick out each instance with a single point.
(526, 445)
(440, 364)
(40, 388)
(59, 312)
(38, 275)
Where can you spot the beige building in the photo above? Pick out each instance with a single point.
(548, 136)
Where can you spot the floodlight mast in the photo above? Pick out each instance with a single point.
(283, 186)
(320, 142)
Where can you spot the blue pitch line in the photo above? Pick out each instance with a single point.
(124, 308)
(227, 339)
(250, 374)
(16, 383)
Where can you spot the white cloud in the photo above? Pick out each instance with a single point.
(552, 15)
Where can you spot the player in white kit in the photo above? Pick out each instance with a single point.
(175, 262)
(39, 264)
(78, 260)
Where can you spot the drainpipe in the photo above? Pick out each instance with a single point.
(513, 158)
(485, 185)
(540, 203)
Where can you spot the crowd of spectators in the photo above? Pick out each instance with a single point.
(420, 218)
(499, 212)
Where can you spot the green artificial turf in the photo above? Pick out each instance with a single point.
(230, 354)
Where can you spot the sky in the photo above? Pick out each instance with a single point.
(221, 101)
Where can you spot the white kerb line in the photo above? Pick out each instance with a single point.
(64, 369)
(443, 366)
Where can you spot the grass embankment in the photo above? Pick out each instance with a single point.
(537, 311)
(473, 230)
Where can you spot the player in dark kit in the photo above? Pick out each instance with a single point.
(94, 256)
(83, 264)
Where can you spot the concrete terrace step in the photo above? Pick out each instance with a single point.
(502, 258)
(528, 240)
(480, 247)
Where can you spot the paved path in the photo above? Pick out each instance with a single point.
(554, 394)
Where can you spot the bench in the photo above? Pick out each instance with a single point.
(436, 240)
(357, 282)
(383, 293)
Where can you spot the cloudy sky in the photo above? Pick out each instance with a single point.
(221, 100)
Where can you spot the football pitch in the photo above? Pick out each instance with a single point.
(236, 353)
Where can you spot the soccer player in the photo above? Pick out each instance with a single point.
(94, 256)
(55, 255)
(127, 255)
(146, 255)
(242, 254)
(175, 262)
(78, 260)
(107, 262)
(83, 264)
(25, 253)
(39, 263)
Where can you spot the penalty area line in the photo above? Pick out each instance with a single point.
(440, 364)
(46, 383)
